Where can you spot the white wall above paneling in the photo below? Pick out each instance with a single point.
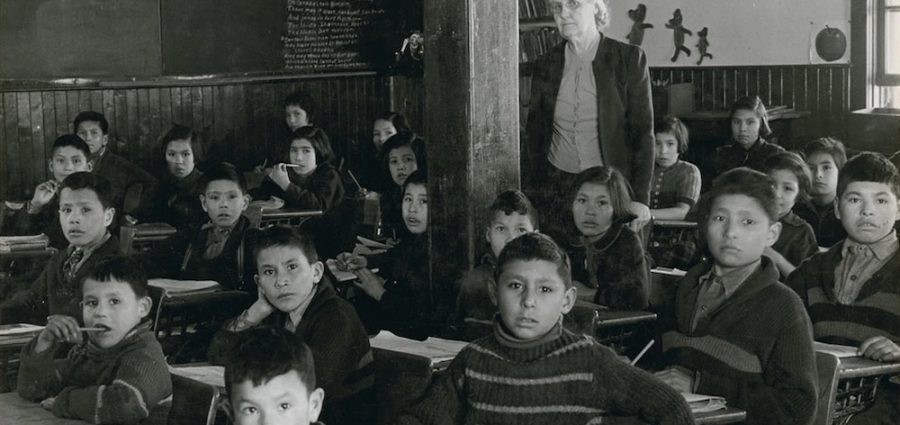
(741, 32)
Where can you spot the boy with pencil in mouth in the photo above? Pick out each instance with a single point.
(116, 372)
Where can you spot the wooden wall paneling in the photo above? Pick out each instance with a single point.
(157, 128)
(63, 123)
(129, 139)
(23, 136)
(37, 135)
(49, 127)
(12, 169)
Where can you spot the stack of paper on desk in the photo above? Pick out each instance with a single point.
(700, 403)
(839, 351)
(437, 350)
(172, 287)
(23, 243)
(18, 333)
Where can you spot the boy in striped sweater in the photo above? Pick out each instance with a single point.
(532, 370)
(736, 332)
(852, 290)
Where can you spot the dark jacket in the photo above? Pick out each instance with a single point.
(45, 221)
(827, 227)
(755, 349)
(181, 257)
(177, 201)
(345, 367)
(625, 113)
(615, 264)
(52, 292)
(125, 176)
(733, 156)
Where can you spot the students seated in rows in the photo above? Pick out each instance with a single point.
(749, 124)
(132, 187)
(399, 298)
(308, 181)
(293, 295)
(735, 331)
(116, 372)
(797, 241)
(85, 212)
(531, 369)
(607, 256)
(274, 385)
(851, 290)
(221, 249)
(675, 187)
(511, 215)
(401, 155)
(177, 200)
(69, 154)
(825, 157)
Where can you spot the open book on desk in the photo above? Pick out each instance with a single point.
(172, 287)
(24, 243)
(342, 275)
(438, 351)
(839, 351)
(700, 403)
(18, 333)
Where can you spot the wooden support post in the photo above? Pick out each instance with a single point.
(471, 123)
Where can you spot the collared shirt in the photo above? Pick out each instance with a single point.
(216, 239)
(716, 287)
(859, 263)
(296, 315)
(575, 144)
(88, 250)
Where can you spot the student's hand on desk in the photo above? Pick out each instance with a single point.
(351, 262)
(880, 348)
(47, 403)
(643, 216)
(279, 175)
(59, 328)
(678, 378)
(43, 193)
(370, 283)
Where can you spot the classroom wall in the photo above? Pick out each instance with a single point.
(233, 117)
(741, 32)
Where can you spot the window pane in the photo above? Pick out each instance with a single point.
(890, 3)
(892, 42)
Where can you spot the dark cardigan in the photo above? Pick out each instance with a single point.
(755, 349)
(733, 156)
(123, 175)
(345, 367)
(797, 241)
(52, 292)
(625, 113)
(181, 257)
(617, 262)
(177, 201)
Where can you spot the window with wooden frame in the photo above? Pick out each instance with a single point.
(887, 42)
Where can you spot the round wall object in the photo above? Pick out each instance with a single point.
(831, 44)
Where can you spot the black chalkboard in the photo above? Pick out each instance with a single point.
(295, 36)
(79, 38)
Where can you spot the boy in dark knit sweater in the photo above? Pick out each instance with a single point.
(117, 372)
(84, 213)
(532, 370)
(851, 290)
(293, 295)
(512, 215)
(736, 332)
(273, 385)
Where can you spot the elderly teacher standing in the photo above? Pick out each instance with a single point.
(590, 105)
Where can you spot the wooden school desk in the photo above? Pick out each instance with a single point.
(293, 217)
(730, 415)
(19, 411)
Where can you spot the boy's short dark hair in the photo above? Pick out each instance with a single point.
(399, 140)
(674, 126)
(95, 182)
(793, 162)
(869, 167)
(224, 171)
(182, 132)
(828, 145)
(288, 237)
(742, 181)
(419, 177)
(92, 116)
(756, 105)
(71, 140)
(305, 102)
(318, 139)
(514, 201)
(123, 269)
(266, 352)
(535, 246)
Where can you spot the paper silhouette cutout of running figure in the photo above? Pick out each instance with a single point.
(638, 14)
(678, 32)
(703, 45)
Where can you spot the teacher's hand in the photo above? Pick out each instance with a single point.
(643, 216)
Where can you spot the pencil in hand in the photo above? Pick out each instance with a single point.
(92, 329)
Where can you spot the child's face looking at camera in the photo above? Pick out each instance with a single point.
(745, 127)
(284, 399)
(402, 163)
(506, 227)
(531, 297)
(295, 117)
(666, 149)
(415, 208)
(592, 209)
